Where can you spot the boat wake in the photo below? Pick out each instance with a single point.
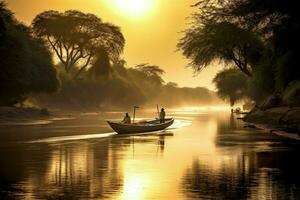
(73, 137)
(176, 125)
(180, 123)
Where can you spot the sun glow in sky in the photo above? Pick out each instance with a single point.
(135, 8)
(152, 29)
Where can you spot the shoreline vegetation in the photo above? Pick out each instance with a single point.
(282, 121)
(258, 42)
(90, 72)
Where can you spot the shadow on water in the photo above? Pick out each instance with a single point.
(263, 175)
(253, 165)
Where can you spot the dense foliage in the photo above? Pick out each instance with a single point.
(258, 37)
(231, 85)
(90, 71)
(26, 64)
(122, 88)
(78, 38)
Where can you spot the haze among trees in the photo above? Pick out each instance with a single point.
(89, 72)
(259, 38)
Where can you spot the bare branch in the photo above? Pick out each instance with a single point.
(84, 66)
(59, 55)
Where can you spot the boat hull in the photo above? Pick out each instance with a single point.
(150, 126)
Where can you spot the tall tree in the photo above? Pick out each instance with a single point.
(76, 37)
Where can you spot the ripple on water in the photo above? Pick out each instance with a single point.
(73, 137)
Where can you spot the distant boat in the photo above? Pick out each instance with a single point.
(141, 127)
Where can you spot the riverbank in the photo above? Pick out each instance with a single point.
(23, 116)
(283, 121)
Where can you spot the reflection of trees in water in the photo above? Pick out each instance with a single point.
(252, 175)
(87, 170)
(282, 172)
(228, 181)
(10, 171)
(136, 140)
(18, 163)
(67, 171)
(228, 123)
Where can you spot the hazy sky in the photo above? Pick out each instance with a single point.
(151, 28)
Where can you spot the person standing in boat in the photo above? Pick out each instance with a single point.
(127, 119)
(162, 115)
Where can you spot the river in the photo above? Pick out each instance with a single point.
(206, 154)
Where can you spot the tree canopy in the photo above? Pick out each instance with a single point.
(76, 37)
(26, 64)
(231, 85)
(258, 37)
(222, 41)
(153, 72)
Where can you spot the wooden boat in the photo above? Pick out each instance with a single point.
(141, 127)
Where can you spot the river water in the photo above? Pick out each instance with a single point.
(204, 155)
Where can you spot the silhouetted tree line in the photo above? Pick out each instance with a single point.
(26, 64)
(259, 38)
(122, 88)
(89, 73)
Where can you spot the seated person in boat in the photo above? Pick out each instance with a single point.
(127, 119)
(162, 115)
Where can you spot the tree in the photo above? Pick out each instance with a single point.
(6, 16)
(153, 72)
(231, 85)
(101, 67)
(260, 37)
(26, 64)
(224, 41)
(276, 23)
(76, 37)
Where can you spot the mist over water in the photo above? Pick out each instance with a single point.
(206, 154)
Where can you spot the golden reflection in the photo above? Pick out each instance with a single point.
(69, 165)
(188, 164)
(133, 186)
(146, 175)
(197, 109)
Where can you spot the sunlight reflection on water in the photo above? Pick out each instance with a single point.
(207, 157)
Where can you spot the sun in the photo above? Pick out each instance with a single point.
(134, 7)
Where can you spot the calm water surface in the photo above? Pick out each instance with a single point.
(204, 155)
